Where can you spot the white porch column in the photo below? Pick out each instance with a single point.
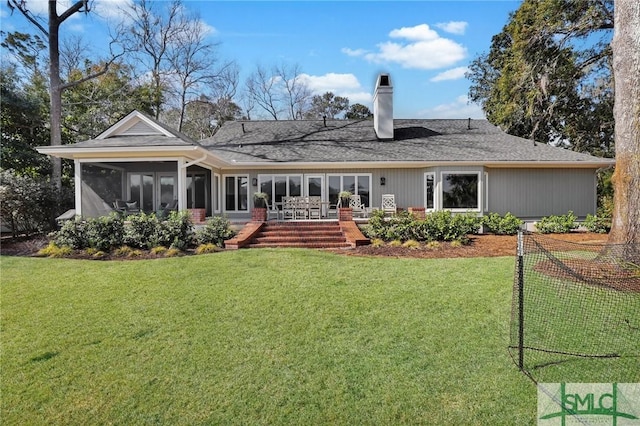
(182, 185)
(78, 186)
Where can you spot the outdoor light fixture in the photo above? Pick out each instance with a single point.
(254, 181)
(383, 181)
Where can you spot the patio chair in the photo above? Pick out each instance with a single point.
(120, 206)
(389, 204)
(315, 207)
(301, 206)
(168, 208)
(288, 208)
(273, 210)
(360, 209)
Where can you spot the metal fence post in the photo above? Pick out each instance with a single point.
(520, 300)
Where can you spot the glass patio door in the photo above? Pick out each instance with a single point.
(167, 189)
(314, 187)
(141, 190)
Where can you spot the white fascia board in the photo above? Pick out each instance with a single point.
(132, 154)
(418, 164)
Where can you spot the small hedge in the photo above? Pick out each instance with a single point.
(502, 225)
(142, 231)
(437, 226)
(557, 224)
(598, 224)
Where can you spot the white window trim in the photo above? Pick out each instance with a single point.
(435, 191)
(216, 192)
(224, 194)
(479, 192)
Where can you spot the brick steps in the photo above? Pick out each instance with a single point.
(300, 234)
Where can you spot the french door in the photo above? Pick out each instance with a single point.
(152, 190)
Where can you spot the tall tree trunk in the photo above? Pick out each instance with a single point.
(55, 91)
(626, 71)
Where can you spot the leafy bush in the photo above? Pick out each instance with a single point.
(216, 231)
(601, 225)
(29, 204)
(103, 233)
(445, 226)
(176, 231)
(141, 231)
(72, 234)
(502, 225)
(438, 226)
(557, 224)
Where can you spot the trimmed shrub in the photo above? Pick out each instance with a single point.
(557, 224)
(72, 234)
(216, 231)
(438, 226)
(141, 231)
(445, 226)
(104, 233)
(601, 225)
(502, 225)
(176, 231)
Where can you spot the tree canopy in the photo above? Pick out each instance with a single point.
(547, 75)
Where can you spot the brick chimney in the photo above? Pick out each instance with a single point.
(383, 108)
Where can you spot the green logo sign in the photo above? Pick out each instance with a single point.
(563, 404)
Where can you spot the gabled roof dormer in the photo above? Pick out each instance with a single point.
(136, 124)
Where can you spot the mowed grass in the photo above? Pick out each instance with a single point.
(264, 337)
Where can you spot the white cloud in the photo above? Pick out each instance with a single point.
(353, 52)
(112, 9)
(459, 108)
(453, 27)
(346, 85)
(419, 32)
(425, 49)
(452, 74)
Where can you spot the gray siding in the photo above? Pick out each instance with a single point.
(527, 193)
(534, 193)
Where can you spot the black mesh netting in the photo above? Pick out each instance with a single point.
(574, 299)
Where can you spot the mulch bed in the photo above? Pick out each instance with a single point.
(479, 246)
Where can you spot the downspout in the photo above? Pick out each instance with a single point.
(78, 186)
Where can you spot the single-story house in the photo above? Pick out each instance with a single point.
(459, 165)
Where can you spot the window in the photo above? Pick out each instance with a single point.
(356, 184)
(236, 192)
(461, 191)
(278, 186)
(430, 191)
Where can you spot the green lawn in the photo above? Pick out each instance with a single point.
(265, 337)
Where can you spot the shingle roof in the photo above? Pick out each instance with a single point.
(356, 141)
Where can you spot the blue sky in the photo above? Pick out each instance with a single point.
(341, 46)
